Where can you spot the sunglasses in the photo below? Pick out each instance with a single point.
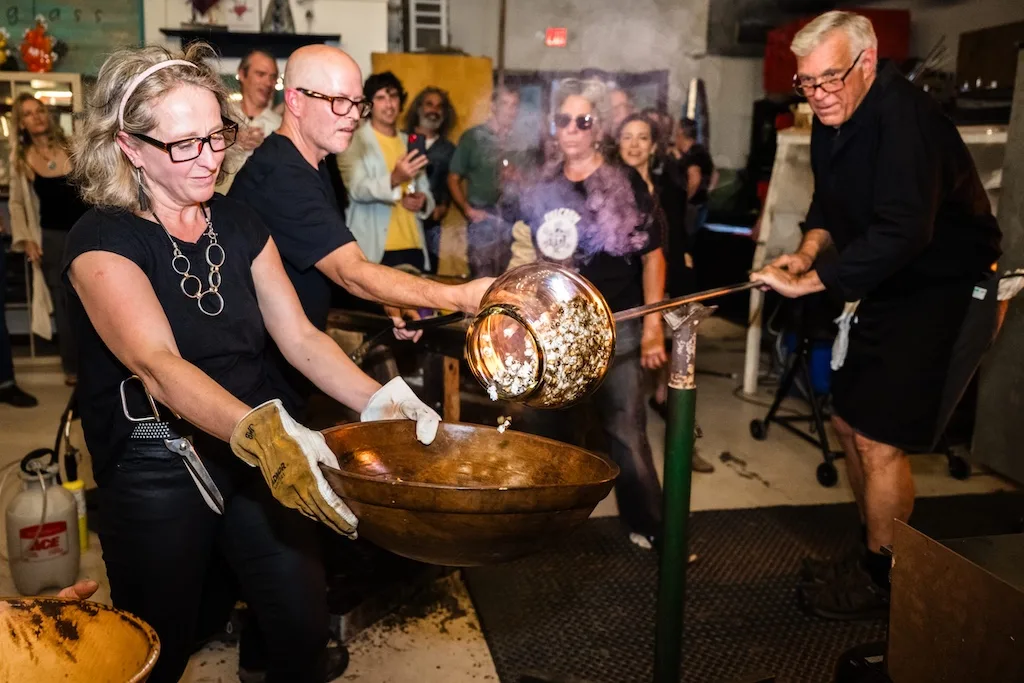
(583, 121)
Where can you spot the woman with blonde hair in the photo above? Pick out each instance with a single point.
(176, 290)
(44, 204)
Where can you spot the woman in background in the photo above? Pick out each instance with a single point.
(585, 214)
(638, 145)
(44, 205)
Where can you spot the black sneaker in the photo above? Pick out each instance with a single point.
(851, 597)
(813, 570)
(16, 397)
(337, 663)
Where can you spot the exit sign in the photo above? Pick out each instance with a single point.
(556, 37)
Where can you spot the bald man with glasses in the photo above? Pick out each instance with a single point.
(286, 181)
(900, 229)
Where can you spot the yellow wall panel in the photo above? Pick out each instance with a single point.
(468, 81)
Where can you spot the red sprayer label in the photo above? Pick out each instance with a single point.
(51, 542)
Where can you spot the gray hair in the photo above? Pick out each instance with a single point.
(857, 28)
(592, 91)
(101, 170)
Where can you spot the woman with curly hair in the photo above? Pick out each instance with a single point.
(588, 215)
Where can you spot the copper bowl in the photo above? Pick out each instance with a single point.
(78, 641)
(474, 496)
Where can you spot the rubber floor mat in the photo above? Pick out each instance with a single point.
(584, 610)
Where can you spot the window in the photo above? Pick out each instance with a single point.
(427, 22)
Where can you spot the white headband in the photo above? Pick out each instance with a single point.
(138, 80)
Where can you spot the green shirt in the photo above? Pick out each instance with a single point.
(477, 159)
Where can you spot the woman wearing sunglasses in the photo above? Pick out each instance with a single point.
(584, 214)
(176, 291)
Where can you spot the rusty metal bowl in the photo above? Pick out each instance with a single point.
(474, 496)
(78, 641)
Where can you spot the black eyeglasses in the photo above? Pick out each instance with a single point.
(340, 104)
(583, 121)
(190, 148)
(807, 87)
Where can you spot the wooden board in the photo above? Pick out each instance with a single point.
(92, 29)
(469, 83)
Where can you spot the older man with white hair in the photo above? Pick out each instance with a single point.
(901, 230)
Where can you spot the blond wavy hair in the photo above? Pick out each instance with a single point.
(858, 29)
(21, 141)
(104, 175)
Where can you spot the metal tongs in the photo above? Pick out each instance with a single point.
(153, 427)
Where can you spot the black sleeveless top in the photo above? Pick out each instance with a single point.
(59, 204)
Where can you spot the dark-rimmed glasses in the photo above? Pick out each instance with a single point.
(829, 85)
(583, 121)
(340, 104)
(190, 148)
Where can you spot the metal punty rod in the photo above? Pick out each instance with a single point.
(640, 311)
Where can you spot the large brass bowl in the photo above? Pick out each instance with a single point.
(76, 641)
(472, 497)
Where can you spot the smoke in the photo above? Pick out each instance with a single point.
(613, 224)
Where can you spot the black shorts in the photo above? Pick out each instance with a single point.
(891, 386)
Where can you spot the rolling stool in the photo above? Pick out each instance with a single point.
(811, 319)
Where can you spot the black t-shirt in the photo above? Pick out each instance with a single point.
(600, 226)
(699, 157)
(228, 347)
(59, 203)
(298, 204)
(898, 192)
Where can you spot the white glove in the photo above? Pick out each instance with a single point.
(395, 401)
(289, 456)
(1010, 284)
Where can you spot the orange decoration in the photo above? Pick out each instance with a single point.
(37, 48)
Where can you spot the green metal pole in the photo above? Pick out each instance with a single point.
(679, 434)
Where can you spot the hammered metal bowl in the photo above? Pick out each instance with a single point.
(544, 337)
(77, 641)
(472, 497)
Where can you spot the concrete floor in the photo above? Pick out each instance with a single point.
(446, 644)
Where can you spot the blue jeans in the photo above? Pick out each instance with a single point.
(622, 410)
(6, 360)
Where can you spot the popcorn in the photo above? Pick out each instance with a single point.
(575, 344)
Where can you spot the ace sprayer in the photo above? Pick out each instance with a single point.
(42, 523)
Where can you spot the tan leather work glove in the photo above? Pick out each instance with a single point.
(289, 455)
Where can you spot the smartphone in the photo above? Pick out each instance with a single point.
(418, 143)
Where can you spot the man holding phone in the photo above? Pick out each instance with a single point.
(383, 171)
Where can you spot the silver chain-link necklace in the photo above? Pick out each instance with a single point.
(183, 267)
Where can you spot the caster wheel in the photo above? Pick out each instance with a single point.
(827, 474)
(758, 430)
(959, 468)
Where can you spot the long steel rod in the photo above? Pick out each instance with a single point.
(640, 311)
